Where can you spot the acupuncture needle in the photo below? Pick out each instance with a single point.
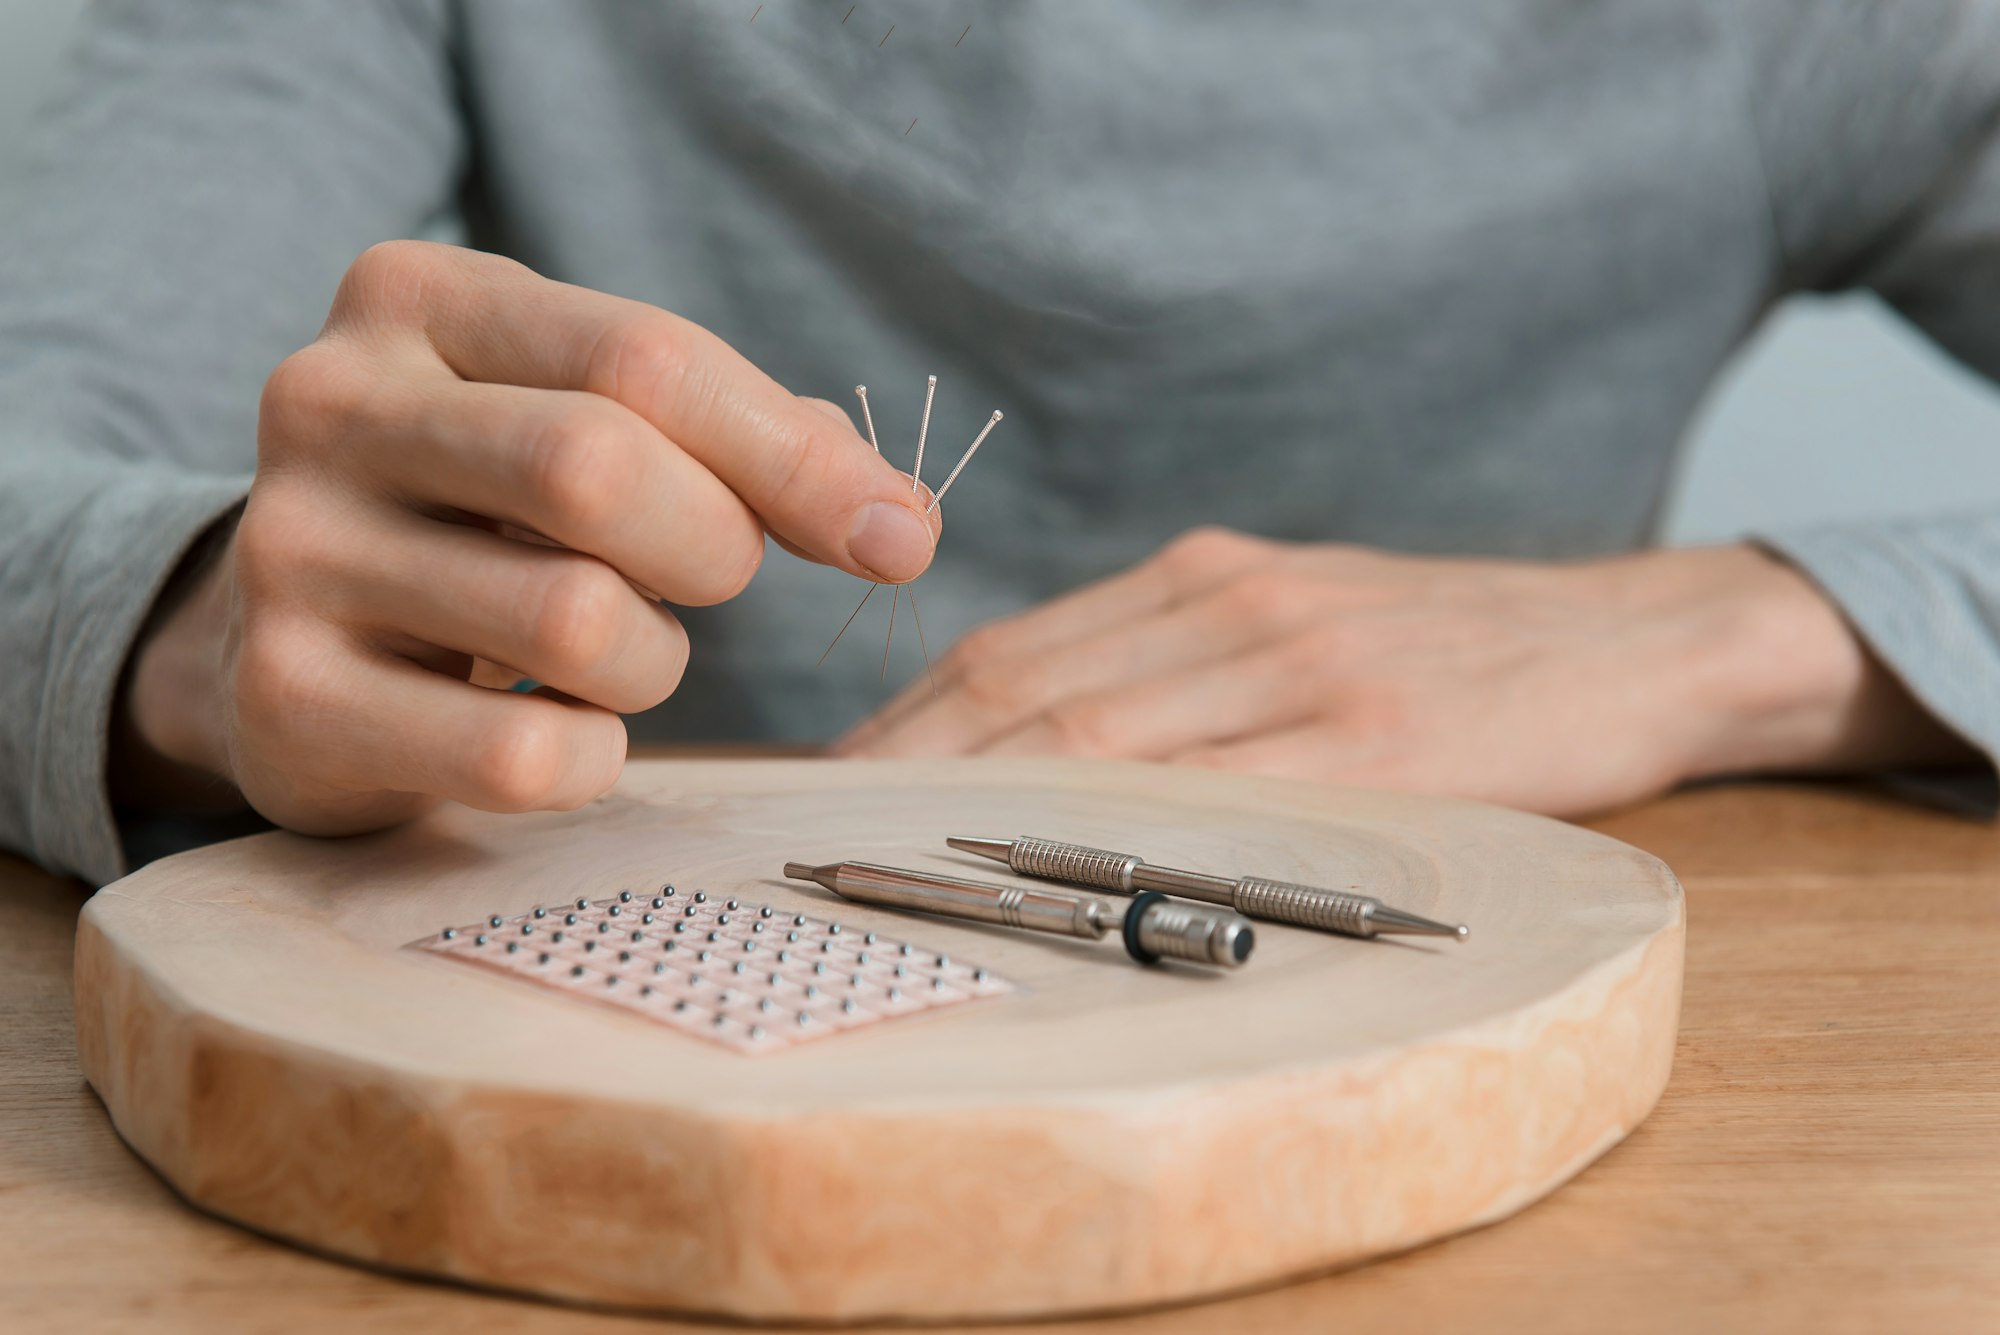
(916, 482)
(868, 417)
(860, 392)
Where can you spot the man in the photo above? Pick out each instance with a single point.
(1267, 293)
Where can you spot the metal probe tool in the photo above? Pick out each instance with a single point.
(1152, 926)
(1274, 901)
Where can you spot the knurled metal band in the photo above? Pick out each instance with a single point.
(1072, 863)
(1305, 905)
(1172, 928)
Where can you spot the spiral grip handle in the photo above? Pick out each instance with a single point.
(1072, 863)
(1305, 905)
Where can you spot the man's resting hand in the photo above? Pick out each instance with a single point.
(1558, 688)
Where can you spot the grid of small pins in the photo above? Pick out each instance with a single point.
(743, 975)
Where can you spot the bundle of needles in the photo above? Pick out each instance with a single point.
(937, 499)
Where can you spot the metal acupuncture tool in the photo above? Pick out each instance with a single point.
(1273, 901)
(1152, 926)
(937, 499)
(749, 977)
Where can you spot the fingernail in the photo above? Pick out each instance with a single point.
(890, 542)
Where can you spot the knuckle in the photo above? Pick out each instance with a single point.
(641, 360)
(580, 466)
(663, 671)
(1265, 597)
(1319, 648)
(1201, 551)
(267, 549)
(518, 765)
(305, 397)
(1082, 729)
(979, 662)
(285, 681)
(735, 553)
(993, 687)
(388, 280)
(575, 619)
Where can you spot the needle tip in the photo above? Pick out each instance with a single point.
(986, 848)
(862, 390)
(997, 415)
(931, 379)
(1387, 920)
(826, 876)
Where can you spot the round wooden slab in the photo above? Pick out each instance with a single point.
(1112, 1135)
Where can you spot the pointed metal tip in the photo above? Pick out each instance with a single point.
(996, 849)
(805, 871)
(1394, 921)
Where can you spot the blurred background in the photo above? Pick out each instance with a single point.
(1836, 409)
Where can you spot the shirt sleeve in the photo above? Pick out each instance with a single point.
(190, 195)
(1879, 129)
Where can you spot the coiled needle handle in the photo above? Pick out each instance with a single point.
(1254, 896)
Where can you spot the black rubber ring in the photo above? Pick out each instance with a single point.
(1142, 901)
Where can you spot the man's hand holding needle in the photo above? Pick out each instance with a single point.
(455, 401)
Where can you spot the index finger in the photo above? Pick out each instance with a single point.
(795, 466)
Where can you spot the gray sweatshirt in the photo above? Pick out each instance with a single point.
(1438, 277)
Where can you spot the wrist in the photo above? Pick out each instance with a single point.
(1769, 675)
(167, 741)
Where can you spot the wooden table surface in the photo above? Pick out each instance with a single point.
(1826, 1158)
